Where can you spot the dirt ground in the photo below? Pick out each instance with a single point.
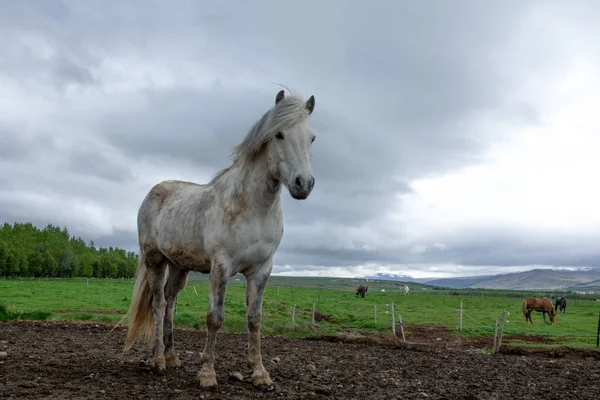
(57, 360)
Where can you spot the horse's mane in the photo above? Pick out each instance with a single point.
(288, 112)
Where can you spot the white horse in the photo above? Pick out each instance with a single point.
(404, 290)
(232, 224)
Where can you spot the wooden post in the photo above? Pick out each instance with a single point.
(501, 330)
(313, 313)
(375, 314)
(598, 336)
(294, 314)
(460, 316)
(176, 301)
(401, 327)
(495, 338)
(393, 320)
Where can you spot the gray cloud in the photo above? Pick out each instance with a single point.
(123, 91)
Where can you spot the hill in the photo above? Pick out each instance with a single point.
(390, 277)
(581, 280)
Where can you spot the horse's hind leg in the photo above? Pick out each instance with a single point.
(156, 282)
(175, 282)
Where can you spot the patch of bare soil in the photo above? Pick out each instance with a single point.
(533, 339)
(325, 317)
(438, 338)
(554, 352)
(58, 360)
(106, 312)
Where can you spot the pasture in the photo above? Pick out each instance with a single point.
(78, 356)
(338, 309)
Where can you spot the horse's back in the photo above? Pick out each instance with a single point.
(160, 194)
(162, 198)
(537, 303)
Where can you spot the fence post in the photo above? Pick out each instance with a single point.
(393, 320)
(401, 327)
(501, 330)
(598, 336)
(460, 313)
(195, 291)
(495, 338)
(294, 314)
(313, 313)
(375, 314)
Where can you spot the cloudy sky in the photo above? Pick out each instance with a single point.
(454, 138)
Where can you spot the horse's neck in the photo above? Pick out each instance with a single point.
(251, 184)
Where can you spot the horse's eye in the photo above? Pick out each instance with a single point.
(279, 135)
(313, 139)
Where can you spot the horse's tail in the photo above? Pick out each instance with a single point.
(141, 318)
(525, 307)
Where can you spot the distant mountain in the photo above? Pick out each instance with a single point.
(528, 280)
(458, 282)
(390, 277)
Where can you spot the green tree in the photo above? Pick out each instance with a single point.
(49, 266)
(3, 256)
(24, 265)
(36, 263)
(26, 250)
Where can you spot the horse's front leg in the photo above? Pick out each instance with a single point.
(214, 320)
(256, 282)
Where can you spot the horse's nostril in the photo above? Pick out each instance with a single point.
(298, 182)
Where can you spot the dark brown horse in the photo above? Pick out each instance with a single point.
(543, 305)
(561, 304)
(362, 290)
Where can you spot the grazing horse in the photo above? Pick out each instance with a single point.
(231, 224)
(362, 290)
(562, 303)
(404, 290)
(543, 305)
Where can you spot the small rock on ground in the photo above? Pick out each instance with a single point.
(236, 376)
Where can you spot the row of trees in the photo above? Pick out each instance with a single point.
(28, 251)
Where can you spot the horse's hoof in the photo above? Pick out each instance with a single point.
(261, 379)
(207, 378)
(159, 362)
(173, 362)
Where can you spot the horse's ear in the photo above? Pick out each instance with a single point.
(280, 96)
(310, 104)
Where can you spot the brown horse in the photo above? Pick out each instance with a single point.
(543, 305)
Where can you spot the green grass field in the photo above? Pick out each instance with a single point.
(106, 300)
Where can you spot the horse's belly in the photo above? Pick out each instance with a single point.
(256, 253)
(188, 258)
